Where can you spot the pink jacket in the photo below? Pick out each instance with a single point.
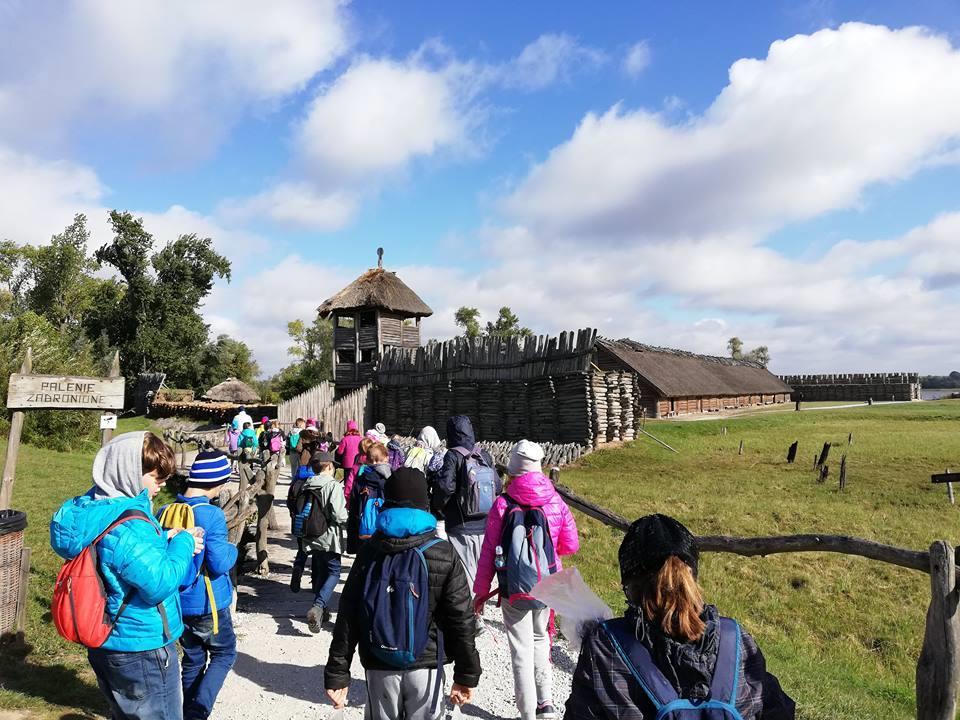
(348, 448)
(533, 490)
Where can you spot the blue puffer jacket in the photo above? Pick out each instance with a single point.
(136, 555)
(218, 557)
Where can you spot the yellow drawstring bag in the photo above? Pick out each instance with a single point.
(180, 515)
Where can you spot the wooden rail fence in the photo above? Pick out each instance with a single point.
(938, 667)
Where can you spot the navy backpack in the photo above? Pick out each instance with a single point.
(396, 598)
(528, 554)
(721, 705)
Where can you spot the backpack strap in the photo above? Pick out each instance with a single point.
(726, 674)
(638, 660)
(421, 549)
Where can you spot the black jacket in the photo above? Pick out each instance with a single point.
(450, 609)
(603, 686)
(444, 502)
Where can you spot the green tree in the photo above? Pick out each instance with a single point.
(226, 357)
(156, 321)
(735, 347)
(469, 319)
(760, 355)
(507, 325)
(313, 349)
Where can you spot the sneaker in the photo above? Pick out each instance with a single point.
(295, 577)
(314, 618)
(545, 711)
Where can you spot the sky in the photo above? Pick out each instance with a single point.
(677, 173)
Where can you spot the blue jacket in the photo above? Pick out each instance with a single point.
(218, 557)
(136, 555)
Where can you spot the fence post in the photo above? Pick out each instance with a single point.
(938, 669)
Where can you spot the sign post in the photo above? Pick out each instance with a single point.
(13, 442)
(948, 478)
(106, 428)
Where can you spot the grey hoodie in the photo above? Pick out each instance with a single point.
(118, 467)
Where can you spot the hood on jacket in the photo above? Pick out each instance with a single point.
(685, 665)
(531, 488)
(352, 425)
(428, 438)
(249, 432)
(400, 522)
(319, 481)
(118, 467)
(460, 433)
(79, 520)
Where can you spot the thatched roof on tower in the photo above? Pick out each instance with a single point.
(377, 289)
(233, 391)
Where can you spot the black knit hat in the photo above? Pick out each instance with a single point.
(407, 487)
(650, 541)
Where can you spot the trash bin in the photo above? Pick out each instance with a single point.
(12, 525)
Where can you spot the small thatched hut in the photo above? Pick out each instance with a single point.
(232, 391)
(375, 311)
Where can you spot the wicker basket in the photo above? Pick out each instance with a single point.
(12, 524)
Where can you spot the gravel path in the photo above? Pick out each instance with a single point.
(279, 669)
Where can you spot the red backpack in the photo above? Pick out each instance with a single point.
(79, 605)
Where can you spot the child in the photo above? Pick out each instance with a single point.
(412, 691)
(271, 443)
(526, 620)
(138, 561)
(347, 452)
(367, 488)
(325, 497)
(293, 446)
(208, 641)
(231, 440)
(693, 653)
(247, 444)
(396, 456)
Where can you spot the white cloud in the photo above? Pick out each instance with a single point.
(376, 117)
(298, 204)
(637, 59)
(108, 62)
(794, 135)
(550, 59)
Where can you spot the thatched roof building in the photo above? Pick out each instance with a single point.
(377, 289)
(233, 391)
(375, 311)
(680, 382)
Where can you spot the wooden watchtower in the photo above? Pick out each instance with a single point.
(375, 311)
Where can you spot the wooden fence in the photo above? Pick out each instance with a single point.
(308, 404)
(938, 667)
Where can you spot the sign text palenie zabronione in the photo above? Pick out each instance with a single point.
(60, 392)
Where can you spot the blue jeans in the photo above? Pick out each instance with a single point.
(202, 680)
(141, 685)
(324, 574)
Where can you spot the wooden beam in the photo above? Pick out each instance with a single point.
(106, 435)
(13, 443)
(938, 668)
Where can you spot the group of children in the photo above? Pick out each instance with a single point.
(430, 531)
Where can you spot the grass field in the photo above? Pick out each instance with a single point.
(52, 678)
(842, 633)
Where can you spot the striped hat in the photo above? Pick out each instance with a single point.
(210, 468)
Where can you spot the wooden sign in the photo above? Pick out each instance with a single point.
(64, 393)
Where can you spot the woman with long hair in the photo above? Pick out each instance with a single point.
(671, 651)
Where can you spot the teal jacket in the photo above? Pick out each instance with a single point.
(134, 556)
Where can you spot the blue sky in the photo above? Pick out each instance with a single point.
(782, 171)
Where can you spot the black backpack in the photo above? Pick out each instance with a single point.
(309, 514)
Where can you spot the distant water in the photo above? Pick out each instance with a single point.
(936, 393)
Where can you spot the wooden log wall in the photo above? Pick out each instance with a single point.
(554, 454)
(307, 404)
(857, 387)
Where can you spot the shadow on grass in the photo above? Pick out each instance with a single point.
(55, 684)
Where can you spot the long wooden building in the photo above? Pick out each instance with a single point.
(677, 382)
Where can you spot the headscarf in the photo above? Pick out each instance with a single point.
(429, 439)
(118, 467)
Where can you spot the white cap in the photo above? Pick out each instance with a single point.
(525, 457)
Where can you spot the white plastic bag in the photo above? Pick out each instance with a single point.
(574, 602)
